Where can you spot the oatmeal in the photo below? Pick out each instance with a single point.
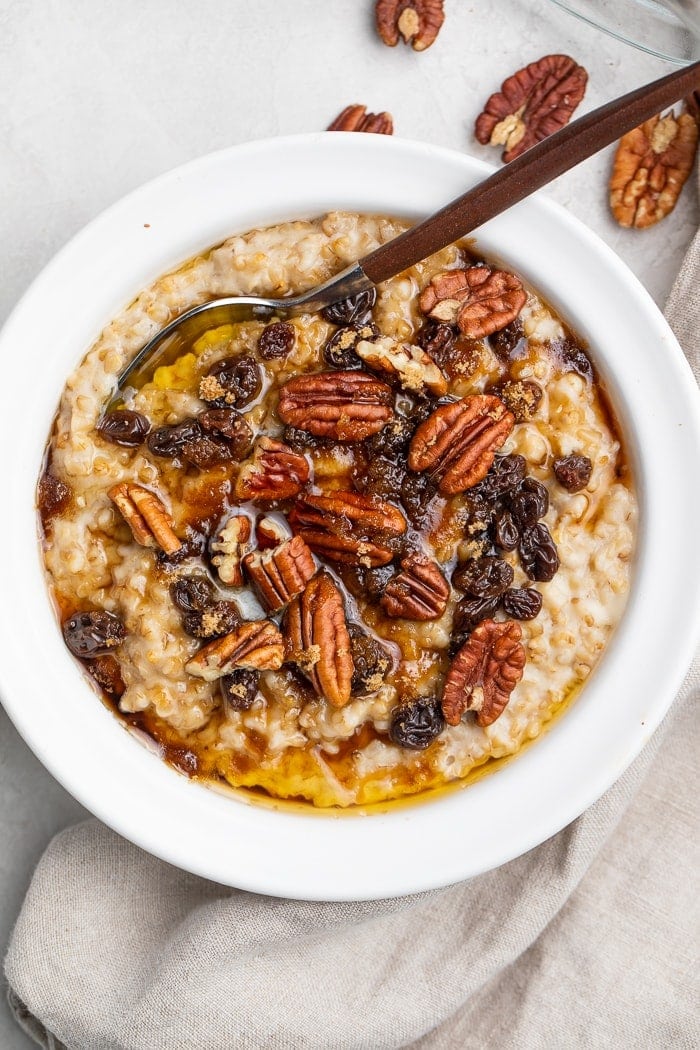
(348, 556)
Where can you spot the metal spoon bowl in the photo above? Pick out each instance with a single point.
(512, 183)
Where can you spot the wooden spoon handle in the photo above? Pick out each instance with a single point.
(527, 173)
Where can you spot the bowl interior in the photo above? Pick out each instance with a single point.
(407, 848)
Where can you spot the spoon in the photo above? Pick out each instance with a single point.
(500, 191)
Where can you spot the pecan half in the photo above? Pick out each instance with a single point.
(317, 639)
(257, 645)
(228, 547)
(418, 592)
(417, 21)
(457, 443)
(349, 527)
(275, 471)
(532, 104)
(146, 516)
(346, 406)
(650, 167)
(356, 118)
(484, 673)
(415, 369)
(269, 532)
(279, 574)
(478, 300)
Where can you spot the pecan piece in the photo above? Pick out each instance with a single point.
(274, 471)
(270, 532)
(317, 639)
(146, 516)
(478, 300)
(418, 592)
(650, 167)
(281, 573)
(457, 443)
(257, 645)
(346, 406)
(414, 368)
(356, 118)
(349, 527)
(228, 547)
(532, 104)
(484, 673)
(417, 21)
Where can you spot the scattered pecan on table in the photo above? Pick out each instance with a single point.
(417, 22)
(356, 118)
(650, 168)
(532, 104)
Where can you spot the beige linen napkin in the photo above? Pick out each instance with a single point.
(586, 941)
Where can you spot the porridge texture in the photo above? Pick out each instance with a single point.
(351, 556)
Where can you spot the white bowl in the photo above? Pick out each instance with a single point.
(410, 847)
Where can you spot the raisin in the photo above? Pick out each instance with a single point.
(573, 472)
(483, 577)
(522, 603)
(416, 723)
(240, 688)
(357, 309)
(505, 531)
(214, 621)
(529, 504)
(207, 451)
(370, 661)
(420, 410)
(506, 341)
(107, 673)
(124, 427)
(437, 339)
(233, 381)
(520, 396)
(192, 593)
(381, 477)
(417, 494)
(339, 351)
(53, 496)
(277, 340)
(573, 357)
(230, 425)
(169, 442)
(366, 583)
(471, 611)
(392, 440)
(93, 633)
(377, 579)
(300, 440)
(353, 576)
(192, 547)
(538, 553)
(479, 513)
(506, 474)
